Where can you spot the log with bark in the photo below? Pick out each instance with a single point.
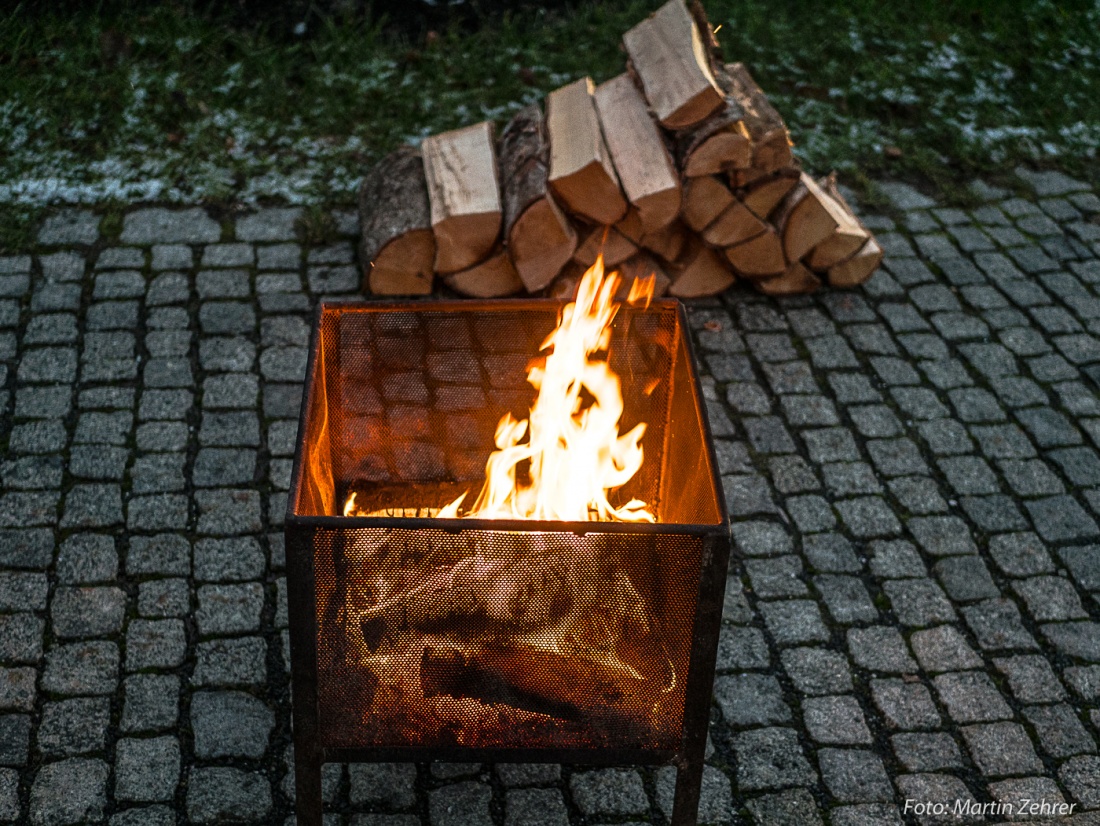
(461, 170)
(846, 239)
(795, 281)
(807, 217)
(705, 198)
(765, 194)
(771, 141)
(734, 225)
(670, 59)
(582, 175)
(540, 238)
(397, 244)
(858, 268)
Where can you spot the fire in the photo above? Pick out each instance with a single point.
(571, 439)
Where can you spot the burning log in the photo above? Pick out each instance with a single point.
(525, 677)
(397, 242)
(641, 159)
(494, 277)
(582, 175)
(540, 237)
(669, 57)
(461, 170)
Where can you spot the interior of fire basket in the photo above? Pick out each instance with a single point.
(506, 633)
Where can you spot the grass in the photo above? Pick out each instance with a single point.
(170, 105)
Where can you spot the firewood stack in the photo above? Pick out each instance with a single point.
(679, 167)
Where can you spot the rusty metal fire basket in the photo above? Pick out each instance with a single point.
(417, 638)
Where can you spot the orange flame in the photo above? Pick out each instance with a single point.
(575, 453)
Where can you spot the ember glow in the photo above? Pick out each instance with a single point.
(571, 444)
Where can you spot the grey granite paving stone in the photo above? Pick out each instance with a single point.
(835, 720)
(750, 700)
(932, 751)
(1031, 679)
(794, 621)
(151, 702)
(1000, 749)
(1050, 598)
(918, 602)
(970, 697)
(943, 648)
(816, 671)
(1060, 731)
(230, 662)
(855, 775)
(769, 758)
(384, 784)
(1060, 518)
(846, 598)
(1083, 563)
(796, 806)
(1080, 640)
(1081, 776)
(220, 794)
(880, 649)
(997, 625)
(69, 791)
(965, 578)
(742, 648)
(614, 792)
(230, 724)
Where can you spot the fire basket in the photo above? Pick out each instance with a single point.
(417, 635)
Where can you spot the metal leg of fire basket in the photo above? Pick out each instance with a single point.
(689, 781)
(307, 788)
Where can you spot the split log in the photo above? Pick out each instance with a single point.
(763, 196)
(641, 159)
(520, 675)
(741, 178)
(631, 226)
(705, 198)
(846, 239)
(495, 277)
(759, 257)
(718, 144)
(642, 265)
(615, 247)
(667, 243)
(397, 241)
(541, 239)
(670, 59)
(795, 281)
(806, 218)
(564, 287)
(702, 272)
(733, 226)
(582, 176)
(858, 268)
(770, 140)
(461, 169)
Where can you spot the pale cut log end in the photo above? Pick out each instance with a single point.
(797, 280)
(858, 268)
(404, 266)
(759, 257)
(704, 273)
(493, 278)
(463, 240)
(542, 241)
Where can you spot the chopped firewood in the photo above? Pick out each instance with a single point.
(702, 272)
(668, 243)
(564, 287)
(461, 169)
(397, 241)
(494, 277)
(718, 144)
(858, 268)
(705, 198)
(795, 281)
(582, 175)
(641, 266)
(846, 239)
(615, 247)
(770, 140)
(807, 217)
(638, 151)
(763, 196)
(541, 239)
(670, 59)
(631, 226)
(742, 178)
(733, 226)
(759, 257)
(520, 675)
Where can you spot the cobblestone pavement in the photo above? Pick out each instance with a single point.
(912, 468)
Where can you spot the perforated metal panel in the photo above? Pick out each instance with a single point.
(440, 633)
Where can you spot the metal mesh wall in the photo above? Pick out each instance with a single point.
(503, 639)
